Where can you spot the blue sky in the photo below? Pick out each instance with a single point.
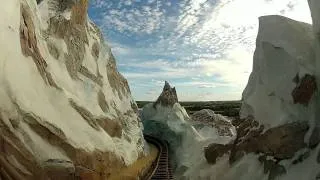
(202, 47)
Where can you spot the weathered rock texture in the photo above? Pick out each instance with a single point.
(65, 110)
(306, 88)
(280, 142)
(277, 121)
(283, 69)
(168, 97)
(207, 117)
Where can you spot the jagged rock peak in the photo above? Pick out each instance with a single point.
(168, 97)
(166, 86)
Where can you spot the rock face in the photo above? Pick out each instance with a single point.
(280, 142)
(305, 89)
(214, 151)
(65, 110)
(281, 90)
(283, 62)
(278, 121)
(207, 117)
(168, 97)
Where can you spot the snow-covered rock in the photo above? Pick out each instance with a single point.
(277, 135)
(206, 118)
(280, 101)
(170, 122)
(61, 96)
(282, 86)
(284, 56)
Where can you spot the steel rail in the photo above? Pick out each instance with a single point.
(160, 168)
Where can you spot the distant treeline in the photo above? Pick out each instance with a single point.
(226, 108)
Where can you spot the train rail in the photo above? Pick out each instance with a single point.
(160, 168)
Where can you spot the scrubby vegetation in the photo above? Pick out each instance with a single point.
(226, 108)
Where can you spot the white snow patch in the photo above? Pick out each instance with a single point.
(67, 14)
(248, 168)
(22, 84)
(308, 169)
(45, 13)
(127, 150)
(89, 62)
(41, 149)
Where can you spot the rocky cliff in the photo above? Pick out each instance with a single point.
(65, 110)
(278, 133)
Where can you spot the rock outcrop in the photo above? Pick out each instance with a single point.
(207, 117)
(281, 91)
(65, 110)
(284, 57)
(277, 119)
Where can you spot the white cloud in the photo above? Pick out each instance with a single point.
(124, 18)
(128, 2)
(204, 39)
(100, 3)
(232, 71)
(201, 84)
(227, 96)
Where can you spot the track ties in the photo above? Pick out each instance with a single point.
(161, 167)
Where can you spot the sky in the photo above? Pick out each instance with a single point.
(202, 47)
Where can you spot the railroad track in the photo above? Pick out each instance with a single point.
(160, 168)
